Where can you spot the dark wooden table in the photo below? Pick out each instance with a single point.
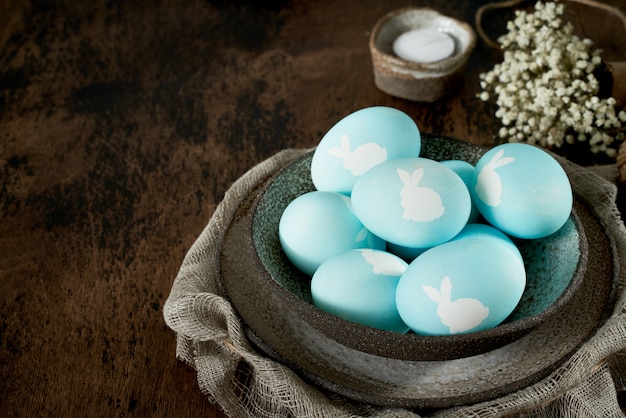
(122, 124)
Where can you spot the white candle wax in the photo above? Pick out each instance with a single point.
(423, 45)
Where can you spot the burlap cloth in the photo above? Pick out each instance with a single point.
(246, 383)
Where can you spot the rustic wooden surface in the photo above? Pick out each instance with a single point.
(122, 124)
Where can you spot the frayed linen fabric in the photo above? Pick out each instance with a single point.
(247, 383)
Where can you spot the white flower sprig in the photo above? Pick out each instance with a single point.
(545, 87)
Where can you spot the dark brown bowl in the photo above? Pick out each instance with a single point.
(387, 368)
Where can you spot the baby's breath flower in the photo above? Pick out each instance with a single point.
(545, 87)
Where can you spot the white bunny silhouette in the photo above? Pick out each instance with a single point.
(488, 184)
(460, 315)
(420, 204)
(383, 263)
(364, 157)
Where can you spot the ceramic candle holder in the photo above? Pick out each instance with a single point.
(418, 81)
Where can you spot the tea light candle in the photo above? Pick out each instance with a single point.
(423, 45)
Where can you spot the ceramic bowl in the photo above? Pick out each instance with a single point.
(407, 370)
(423, 82)
(555, 266)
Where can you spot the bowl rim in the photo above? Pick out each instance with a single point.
(411, 346)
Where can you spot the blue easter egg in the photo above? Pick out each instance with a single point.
(522, 190)
(484, 231)
(461, 286)
(412, 202)
(360, 286)
(360, 141)
(466, 171)
(318, 225)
